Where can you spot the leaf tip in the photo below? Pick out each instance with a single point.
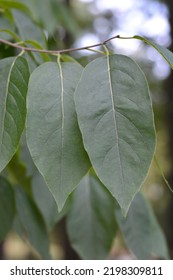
(124, 212)
(125, 207)
(60, 204)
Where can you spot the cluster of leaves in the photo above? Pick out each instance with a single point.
(90, 133)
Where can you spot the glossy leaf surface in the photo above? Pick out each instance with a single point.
(116, 120)
(53, 135)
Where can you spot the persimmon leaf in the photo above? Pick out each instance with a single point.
(116, 120)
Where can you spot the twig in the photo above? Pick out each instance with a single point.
(27, 49)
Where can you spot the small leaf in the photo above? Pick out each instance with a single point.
(32, 223)
(7, 207)
(116, 120)
(36, 45)
(53, 135)
(14, 76)
(167, 55)
(91, 223)
(141, 230)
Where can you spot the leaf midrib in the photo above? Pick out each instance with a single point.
(114, 118)
(62, 122)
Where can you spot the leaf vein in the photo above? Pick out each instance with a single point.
(114, 118)
(142, 138)
(129, 100)
(62, 122)
(17, 90)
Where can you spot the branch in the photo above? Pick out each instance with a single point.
(27, 49)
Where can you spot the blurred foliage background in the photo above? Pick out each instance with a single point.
(76, 23)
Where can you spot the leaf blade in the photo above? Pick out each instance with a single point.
(141, 230)
(112, 99)
(32, 223)
(91, 224)
(14, 76)
(165, 53)
(42, 197)
(53, 136)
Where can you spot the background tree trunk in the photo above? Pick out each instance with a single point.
(69, 253)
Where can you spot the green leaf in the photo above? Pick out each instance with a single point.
(27, 29)
(7, 207)
(36, 45)
(41, 194)
(68, 58)
(5, 24)
(53, 135)
(43, 197)
(32, 223)
(14, 76)
(167, 55)
(13, 35)
(91, 222)
(18, 227)
(43, 14)
(116, 120)
(8, 14)
(18, 173)
(66, 17)
(25, 157)
(15, 5)
(141, 230)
